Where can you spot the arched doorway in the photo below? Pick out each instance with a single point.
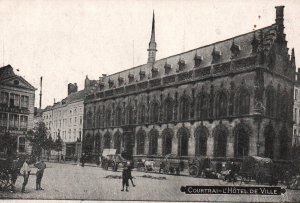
(220, 140)
(140, 142)
(183, 135)
(269, 134)
(167, 136)
(117, 141)
(153, 142)
(283, 148)
(107, 140)
(97, 143)
(201, 135)
(242, 133)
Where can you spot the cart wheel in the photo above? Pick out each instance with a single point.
(223, 180)
(237, 180)
(246, 179)
(193, 170)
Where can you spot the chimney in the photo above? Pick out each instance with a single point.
(279, 22)
(72, 88)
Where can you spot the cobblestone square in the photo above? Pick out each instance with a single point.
(67, 181)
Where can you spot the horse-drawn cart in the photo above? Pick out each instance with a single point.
(200, 166)
(171, 165)
(9, 170)
(111, 159)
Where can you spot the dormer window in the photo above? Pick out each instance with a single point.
(216, 55)
(168, 68)
(120, 80)
(142, 75)
(181, 64)
(255, 44)
(154, 72)
(110, 83)
(130, 78)
(198, 59)
(101, 85)
(235, 49)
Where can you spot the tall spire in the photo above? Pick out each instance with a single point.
(152, 44)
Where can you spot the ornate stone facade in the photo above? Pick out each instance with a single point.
(232, 98)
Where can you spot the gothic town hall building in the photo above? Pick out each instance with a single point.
(229, 99)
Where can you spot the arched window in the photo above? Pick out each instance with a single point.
(270, 101)
(108, 117)
(154, 112)
(283, 148)
(89, 118)
(97, 142)
(241, 140)
(201, 135)
(88, 143)
(269, 141)
(184, 108)
(153, 142)
(221, 104)
(168, 109)
(140, 140)
(117, 142)
(167, 136)
(130, 116)
(97, 118)
(284, 105)
(142, 113)
(243, 102)
(220, 140)
(118, 116)
(107, 140)
(183, 141)
(203, 106)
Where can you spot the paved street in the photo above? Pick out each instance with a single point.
(66, 181)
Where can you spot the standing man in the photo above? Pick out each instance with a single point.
(25, 171)
(125, 177)
(39, 174)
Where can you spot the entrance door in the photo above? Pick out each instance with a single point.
(128, 141)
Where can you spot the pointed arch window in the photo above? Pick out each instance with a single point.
(117, 142)
(203, 106)
(97, 143)
(220, 141)
(183, 141)
(167, 136)
(283, 148)
(221, 104)
(184, 108)
(241, 140)
(201, 141)
(140, 139)
(153, 142)
(270, 101)
(168, 109)
(118, 116)
(89, 118)
(269, 135)
(107, 141)
(108, 117)
(155, 112)
(142, 112)
(243, 102)
(130, 115)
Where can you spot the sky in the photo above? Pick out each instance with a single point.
(64, 41)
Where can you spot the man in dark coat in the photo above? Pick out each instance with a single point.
(39, 174)
(125, 177)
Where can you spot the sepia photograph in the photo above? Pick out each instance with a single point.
(164, 101)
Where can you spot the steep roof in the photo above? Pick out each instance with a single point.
(264, 36)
